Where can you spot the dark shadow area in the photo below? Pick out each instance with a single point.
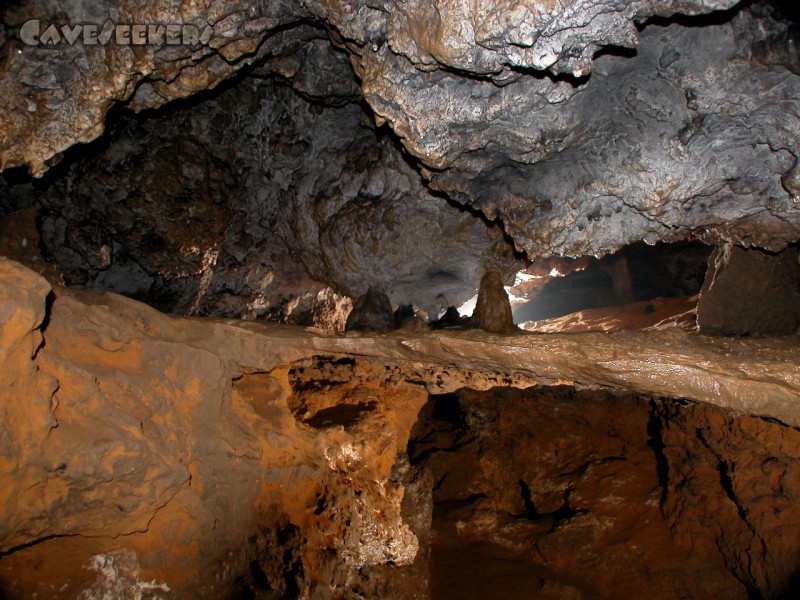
(792, 591)
(717, 17)
(635, 273)
(345, 415)
(553, 492)
(785, 9)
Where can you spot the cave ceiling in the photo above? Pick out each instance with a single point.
(294, 145)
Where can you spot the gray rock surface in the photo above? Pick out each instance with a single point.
(689, 136)
(253, 201)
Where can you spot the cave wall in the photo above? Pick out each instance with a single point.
(663, 499)
(147, 454)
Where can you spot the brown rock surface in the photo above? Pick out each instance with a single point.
(750, 292)
(206, 456)
(648, 315)
(191, 468)
(555, 493)
(493, 310)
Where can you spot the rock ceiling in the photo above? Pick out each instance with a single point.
(344, 140)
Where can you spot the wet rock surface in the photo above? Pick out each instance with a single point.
(198, 457)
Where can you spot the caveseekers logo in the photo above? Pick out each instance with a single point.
(36, 33)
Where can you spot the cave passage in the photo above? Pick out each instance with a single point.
(636, 273)
(373, 299)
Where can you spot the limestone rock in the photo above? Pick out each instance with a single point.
(630, 153)
(223, 457)
(493, 309)
(608, 494)
(113, 432)
(254, 201)
(750, 292)
(27, 404)
(371, 312)
(514, 108)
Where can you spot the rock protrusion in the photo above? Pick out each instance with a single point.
(371, 312)
(493, 310)
(750, 292)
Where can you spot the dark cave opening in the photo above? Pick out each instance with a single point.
(635, 273)
(560, 493)
(203, 206)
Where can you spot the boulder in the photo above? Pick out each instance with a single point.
(750, 292)
(371, 312)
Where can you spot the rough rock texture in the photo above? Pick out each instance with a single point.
(525, 110)
(750, 292)
(261, 199)
(371, 312)
(688, 136)
(111, 429)
(493, 310)
(145, 452)
(486, 38)
(569, 494)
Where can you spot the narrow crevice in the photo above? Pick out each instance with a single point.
(725, 480)
(565, 512)
(530, 506)
(48, 309)
(38, 541)
(746, 578)
(655, 429)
